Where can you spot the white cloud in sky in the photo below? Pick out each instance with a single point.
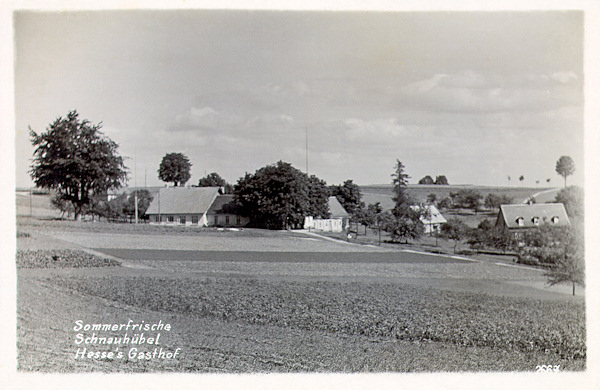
(461, 94)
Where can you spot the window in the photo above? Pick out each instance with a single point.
(194, 220)
(182, 220)
(520, 221)
(216, 219)
(227, 220)
(535, 220)
(170, 218)
(555, 220)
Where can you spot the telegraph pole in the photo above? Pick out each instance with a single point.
(306, 128)
(135, 186)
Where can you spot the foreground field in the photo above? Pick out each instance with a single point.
(265, 302)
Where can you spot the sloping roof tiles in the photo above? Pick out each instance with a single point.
(435, 216)
(183, 200)
(545, 212)
(336, 209)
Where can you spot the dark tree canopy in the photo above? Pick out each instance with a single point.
(77, 160)
(426, 180)
(175, 168)
(493, 201)
(466, 198)
(441, 180)
(348, 194)
(215, 180)
(565, 166)
(279, 196)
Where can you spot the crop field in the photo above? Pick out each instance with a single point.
(256, 301)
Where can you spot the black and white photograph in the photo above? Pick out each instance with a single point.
(273, 194)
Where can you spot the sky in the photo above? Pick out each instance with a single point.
(476, 96)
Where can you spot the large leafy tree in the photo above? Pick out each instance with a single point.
(175, 168)
(215, 180)
(565, 166)
(77, 160)
(279, 196)
(348, 194)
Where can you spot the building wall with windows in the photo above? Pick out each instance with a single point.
(223, 212)
(180, 219)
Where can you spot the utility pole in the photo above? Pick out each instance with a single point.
(306, 128)
(135, 186)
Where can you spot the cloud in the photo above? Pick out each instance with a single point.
(373, 130)
(563, 77)
(470, 92)
(197, 118)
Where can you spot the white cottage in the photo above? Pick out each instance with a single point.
(337, 222)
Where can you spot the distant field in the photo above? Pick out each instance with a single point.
(383, 193)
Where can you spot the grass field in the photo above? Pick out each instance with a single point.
(267, 301)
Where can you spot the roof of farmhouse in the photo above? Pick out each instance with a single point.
(183, 200)
(336, 209)
(545, 212)
(434, 216)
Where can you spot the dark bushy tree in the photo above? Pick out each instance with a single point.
(77, 160)
(466, 198)
(493, 201)
(431, 198)
(215, 180)
(441, 180)
(407, 227)
(279, 196)
(445, 203)
(175, 168)
(426, 180)
(348, 194)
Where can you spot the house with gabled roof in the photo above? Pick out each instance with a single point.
(519, 217)
(225, 213)
(431, 218)
(337, 222)
(182, 205)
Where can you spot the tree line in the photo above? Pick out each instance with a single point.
(76, 160)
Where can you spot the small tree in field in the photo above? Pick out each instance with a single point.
(77, 160)
(455, 230)
(568, 262)
(565, 166)
(175, 168)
